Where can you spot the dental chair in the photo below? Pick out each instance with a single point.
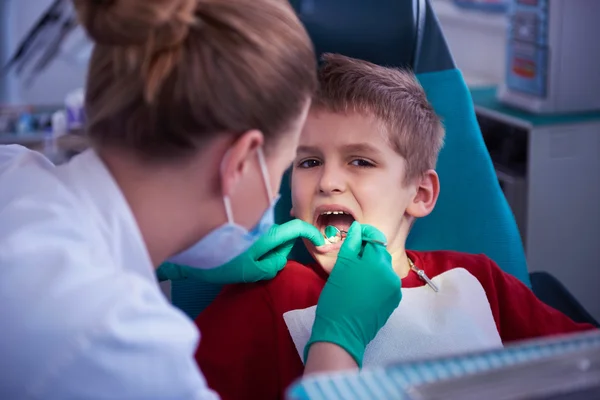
(472, 214)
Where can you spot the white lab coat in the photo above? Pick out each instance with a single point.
(82, 313)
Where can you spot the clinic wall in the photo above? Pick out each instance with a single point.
(477, 41)
(62, 75)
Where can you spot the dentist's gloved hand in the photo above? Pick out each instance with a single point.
(262, 261)
(360, 295)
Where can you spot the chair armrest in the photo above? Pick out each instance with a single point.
(549, 290)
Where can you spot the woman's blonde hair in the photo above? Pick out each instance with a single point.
(165, 76)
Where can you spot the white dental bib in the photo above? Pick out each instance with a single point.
(426, 324)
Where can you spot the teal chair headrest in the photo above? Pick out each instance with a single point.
(472, 214)
(402, 33)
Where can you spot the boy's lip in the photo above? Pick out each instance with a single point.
(330, 207)
(328, 248)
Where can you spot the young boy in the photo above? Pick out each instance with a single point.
(367, 153)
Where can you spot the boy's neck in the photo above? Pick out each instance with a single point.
(400, 262)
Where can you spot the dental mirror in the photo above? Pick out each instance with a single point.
(334, 235)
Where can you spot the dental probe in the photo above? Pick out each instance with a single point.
(334, 235)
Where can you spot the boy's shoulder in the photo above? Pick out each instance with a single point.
(295, 286)
(293, 277)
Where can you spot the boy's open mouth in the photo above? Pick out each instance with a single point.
(337, 216)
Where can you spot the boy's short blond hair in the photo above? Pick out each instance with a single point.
(394, 97)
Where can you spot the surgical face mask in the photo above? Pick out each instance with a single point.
(230, 239)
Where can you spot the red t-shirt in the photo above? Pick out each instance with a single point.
(247, 352)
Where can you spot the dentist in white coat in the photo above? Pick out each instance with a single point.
(194, 110)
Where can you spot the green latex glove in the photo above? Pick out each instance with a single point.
(360, 295)
(262, 261)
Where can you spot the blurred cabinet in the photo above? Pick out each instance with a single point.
(549, 170)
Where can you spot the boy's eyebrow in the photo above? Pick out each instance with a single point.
(360, 148)
(307, 149)
(347, 148)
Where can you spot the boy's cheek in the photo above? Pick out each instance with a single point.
(302, 198)
(300, 212)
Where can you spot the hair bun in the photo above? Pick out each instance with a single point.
(135, 22)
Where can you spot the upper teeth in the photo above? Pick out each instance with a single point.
(333, 212)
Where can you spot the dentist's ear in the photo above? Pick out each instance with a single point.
(238, 159)
(292, 212)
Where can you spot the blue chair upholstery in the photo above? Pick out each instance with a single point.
(472, 214)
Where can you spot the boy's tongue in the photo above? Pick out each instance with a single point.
(340, 221)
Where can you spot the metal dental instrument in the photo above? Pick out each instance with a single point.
(334, 235)
(422, 275)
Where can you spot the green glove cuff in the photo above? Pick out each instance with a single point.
(330, 332)
(173, 272)
(232, 272)
(176, 272)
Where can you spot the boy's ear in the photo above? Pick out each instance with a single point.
(292, 212)
(428, 190)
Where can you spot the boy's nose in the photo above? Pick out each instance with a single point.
(332, 181)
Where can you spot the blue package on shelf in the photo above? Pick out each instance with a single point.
(396, 381)
(494, 6)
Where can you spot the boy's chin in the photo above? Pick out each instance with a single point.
(325, 256)
(326, 261)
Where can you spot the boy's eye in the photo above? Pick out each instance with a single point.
(359, 162)
(310, 163)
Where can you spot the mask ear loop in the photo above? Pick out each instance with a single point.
(266, 180)
(228, 211)
(265, 174)
(226, 200)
